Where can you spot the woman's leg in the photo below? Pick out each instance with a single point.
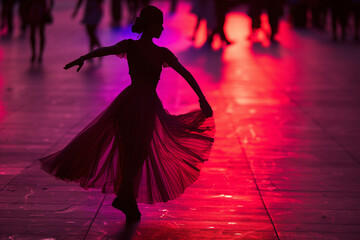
(90, 37)
(93, 39)
(96, 38)
(42, 41)
(134, 147)
(274, 24)
(129, 186)
(33, 42)
(23, 15)
(221, 28)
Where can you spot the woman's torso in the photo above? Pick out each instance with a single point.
(145, 62)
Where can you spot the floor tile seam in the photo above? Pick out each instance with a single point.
(121, 219)
(323, 128)
(317, 223)
(52, 204)
(317, 123)
(312, 191)
(258, 188)
(314, 197)
(318, 231)
(48, 150)
(97, 212)
(307, 114)
(17, 110)
(243, 152)
(327, 77)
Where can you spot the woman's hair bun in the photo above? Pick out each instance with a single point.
(148, 15)
(138, 26)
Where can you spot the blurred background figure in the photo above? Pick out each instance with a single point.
(38, 15)
(132, 9)
(134, 6)
(318, 13)
(7, 15)
(340, 12)
(275, 9)
(298, 13)
(199, 10)
(23, 14)
(255, 9)
(173, 6)
(116, 13)
(221, 9)
(356, 10)
(92, 16)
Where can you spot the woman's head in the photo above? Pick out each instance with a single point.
(150, 21)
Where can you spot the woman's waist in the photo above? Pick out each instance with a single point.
(144, 88)
(144, 81)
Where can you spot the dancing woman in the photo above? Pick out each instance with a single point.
(135, 148)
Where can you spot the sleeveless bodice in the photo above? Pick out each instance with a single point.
(145, 70)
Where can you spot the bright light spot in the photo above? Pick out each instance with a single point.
(246, 77)
(211, 227)
(252, 111)
(238, 72)
(231, 223)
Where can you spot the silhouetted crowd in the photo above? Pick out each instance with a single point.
(302, 14)
(36, 14)
(341, 12)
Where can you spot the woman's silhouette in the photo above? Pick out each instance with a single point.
(135, 148)
(92, 16)
(39, 13)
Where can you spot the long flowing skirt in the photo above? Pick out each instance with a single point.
(136, 147)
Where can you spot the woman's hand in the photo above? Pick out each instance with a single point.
(205, 107)
(79, 62)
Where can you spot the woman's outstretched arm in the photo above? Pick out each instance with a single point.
(204, 105)
(99, 52)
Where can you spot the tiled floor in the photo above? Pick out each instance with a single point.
(286, 159)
